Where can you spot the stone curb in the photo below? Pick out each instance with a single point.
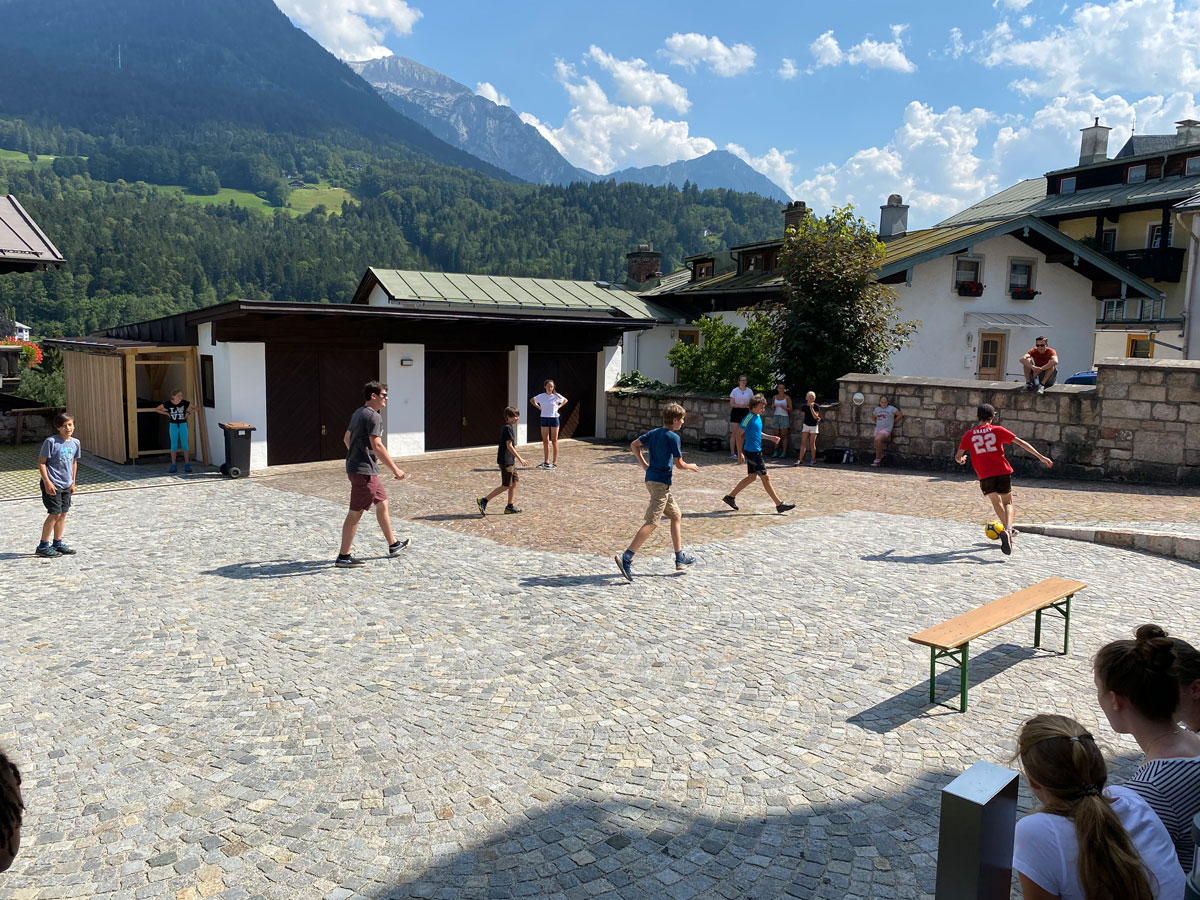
(1182, 547)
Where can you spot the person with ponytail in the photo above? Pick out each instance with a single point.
(1137, 686)
(1088, 841)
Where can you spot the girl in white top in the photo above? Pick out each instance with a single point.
(739, 405)
(549, 402)
(781, 418)
(1087, 842)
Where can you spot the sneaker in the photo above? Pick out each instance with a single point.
(173, 469)
(46, 552)
(1041, 389)
(395, 548)
(625, 565)
(543, 465)
(551, 465)
(348, 562)
(63, 549)
(682, 559)
(482, 504)
(1029, 385)
(784, 507)
(509, 510)
(1006, 543)
(730, 502)
(187, 467)
(878, 462)
(733, 456)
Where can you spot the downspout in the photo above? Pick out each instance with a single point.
(1189, 287)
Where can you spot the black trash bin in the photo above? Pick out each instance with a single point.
(237, 448)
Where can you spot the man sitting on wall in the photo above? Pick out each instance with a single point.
(1041, 366)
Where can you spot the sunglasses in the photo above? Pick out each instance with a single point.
(384, 395)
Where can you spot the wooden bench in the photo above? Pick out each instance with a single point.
(952, 638)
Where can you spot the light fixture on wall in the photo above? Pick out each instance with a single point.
(970, 338)
(406, 361)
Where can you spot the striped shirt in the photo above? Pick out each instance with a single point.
(1172, 788)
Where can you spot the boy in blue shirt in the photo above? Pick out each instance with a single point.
(58, 463)
(749, 444)
(665, 452)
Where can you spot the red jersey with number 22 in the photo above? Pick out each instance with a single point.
(985, 444)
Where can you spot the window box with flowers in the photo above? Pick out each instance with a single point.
(31, 353)
(1024, 293)
(969, 288)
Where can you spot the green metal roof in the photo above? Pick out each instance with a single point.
(532, 295)
(1030, 197)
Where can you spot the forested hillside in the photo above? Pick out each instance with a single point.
(134, 251)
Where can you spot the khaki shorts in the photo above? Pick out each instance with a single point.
(661, 502)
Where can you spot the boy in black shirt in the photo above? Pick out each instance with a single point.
(506, 458)
(178, 411)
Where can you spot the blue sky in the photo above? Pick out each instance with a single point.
(944, 103)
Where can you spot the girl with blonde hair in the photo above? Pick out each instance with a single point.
(1088, 841)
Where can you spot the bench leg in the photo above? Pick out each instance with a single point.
(964, 657)
(933, 658)
(1067, 624)
(1037, 630)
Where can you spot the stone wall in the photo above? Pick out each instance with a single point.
(1141, 422)
(36, 428)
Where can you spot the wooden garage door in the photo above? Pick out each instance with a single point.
(574, 376)
(465, 396)
(311, 394)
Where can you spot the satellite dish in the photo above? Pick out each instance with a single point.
(858, 398)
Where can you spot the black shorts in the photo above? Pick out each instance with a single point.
(997, 484)
(508, 476)
(57, 503)
(754, 462)
(737, 413)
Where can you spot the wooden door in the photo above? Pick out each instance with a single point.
(574, 376)
(343, 374)
(465, 396)
(293, 405)
(992, 356)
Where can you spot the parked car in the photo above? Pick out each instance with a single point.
(1082, 378)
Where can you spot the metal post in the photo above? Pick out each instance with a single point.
(975, 844)
(963, 659)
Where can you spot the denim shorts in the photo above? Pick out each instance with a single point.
(549, 421)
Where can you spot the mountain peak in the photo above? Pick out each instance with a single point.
(402, 72)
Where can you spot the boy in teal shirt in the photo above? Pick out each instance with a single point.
(749, 444)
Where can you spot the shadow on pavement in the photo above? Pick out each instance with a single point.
(914, 702)
(278, 568)
(447, 517)
(581, 580)
(946, 556)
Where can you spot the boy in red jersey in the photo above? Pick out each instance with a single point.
(985, 444)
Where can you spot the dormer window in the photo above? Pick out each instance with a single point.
(752, 263)
(1067, 185)
(1135, 174)
(702, 269)
(1192, 166)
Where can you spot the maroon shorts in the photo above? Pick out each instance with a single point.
(365, 491)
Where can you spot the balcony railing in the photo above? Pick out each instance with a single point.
(1151, 263)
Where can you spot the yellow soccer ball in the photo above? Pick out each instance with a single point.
(993, 530)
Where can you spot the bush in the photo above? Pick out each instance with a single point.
(46, 388)
(723, 353)
(636, 379)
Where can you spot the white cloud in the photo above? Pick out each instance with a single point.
(1015, 5)
(787, 69)
(637, 83)
(602, 136)
(352, 29)
(1126, 45)
(774, 164)
(488, 91)
(957, 45)
(690, 50)
(826, 51)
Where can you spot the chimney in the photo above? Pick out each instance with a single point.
(793, 213)
(893, 218)
(1187, 132)
(1093, 148)
(643, 264)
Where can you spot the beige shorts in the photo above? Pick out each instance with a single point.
(661, 503)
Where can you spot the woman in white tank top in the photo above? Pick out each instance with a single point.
(781, 419)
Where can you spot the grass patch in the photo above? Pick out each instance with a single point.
(302, 200)
(223, 197)
(20, 157)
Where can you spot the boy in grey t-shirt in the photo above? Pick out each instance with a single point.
(58, 463)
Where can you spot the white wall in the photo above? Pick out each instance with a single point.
(240, 388)
(518, 381)
(939, 348)
(608, 370)
(647, 351)
(378, 297)
(404, 418)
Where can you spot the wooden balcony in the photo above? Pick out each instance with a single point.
(1151, 263)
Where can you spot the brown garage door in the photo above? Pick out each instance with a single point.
(465, 396)
(311, 394)
(574, 376)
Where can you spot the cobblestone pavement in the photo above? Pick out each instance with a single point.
(204, 707)
(595, 501)
(19, 476)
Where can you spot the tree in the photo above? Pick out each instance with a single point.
(204, 183)
(723, 353)
(834, 317)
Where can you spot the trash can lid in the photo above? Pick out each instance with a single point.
(238, 425)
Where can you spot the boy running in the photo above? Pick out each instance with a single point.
(985, 444)
(364, 445)
(749, 445)
(506, 458)
(665, 452)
